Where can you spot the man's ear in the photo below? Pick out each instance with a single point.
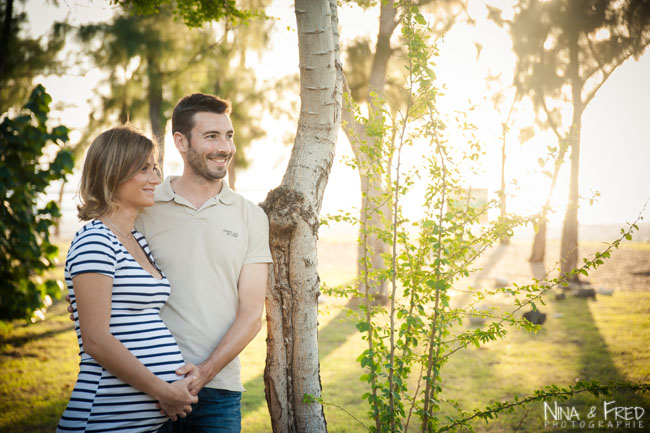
(181, 142)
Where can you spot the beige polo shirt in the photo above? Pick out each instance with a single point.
(202, 252)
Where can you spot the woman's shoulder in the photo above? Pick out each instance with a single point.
(94, 232)
(93, 250)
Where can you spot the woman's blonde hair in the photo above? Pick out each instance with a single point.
(114, 157)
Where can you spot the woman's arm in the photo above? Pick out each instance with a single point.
(93, 296)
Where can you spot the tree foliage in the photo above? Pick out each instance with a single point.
(151, 61)
(25, 172)
(562, 44)
(23, 57)
(566, 50)
(193, 12)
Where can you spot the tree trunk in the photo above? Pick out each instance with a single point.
(569, 245)
(373, 187)
(373, 248)
(232, 175)
(383, 51)
(539, 244)
(505, 240)
(6, 36)
(292, 368)
(156, 115)
(59, 202)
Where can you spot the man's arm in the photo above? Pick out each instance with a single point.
(252, 292)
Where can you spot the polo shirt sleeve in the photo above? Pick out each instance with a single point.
(258, 238)
(92, 253)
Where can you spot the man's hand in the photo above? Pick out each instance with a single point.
(199, 374)
(70, 309)
(176, 401)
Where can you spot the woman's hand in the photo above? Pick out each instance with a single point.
(70, 309)
(176, 400)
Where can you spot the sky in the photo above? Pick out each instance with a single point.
(615, 134)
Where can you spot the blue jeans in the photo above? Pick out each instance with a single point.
(218, 411)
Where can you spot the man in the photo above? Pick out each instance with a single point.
(213, 246)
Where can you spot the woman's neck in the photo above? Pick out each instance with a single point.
(121, 220)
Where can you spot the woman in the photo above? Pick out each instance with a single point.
(128, 356)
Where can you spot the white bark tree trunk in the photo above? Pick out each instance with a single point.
(292, 367)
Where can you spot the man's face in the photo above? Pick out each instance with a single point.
(211, 146)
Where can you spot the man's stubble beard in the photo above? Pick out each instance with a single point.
(199, 167)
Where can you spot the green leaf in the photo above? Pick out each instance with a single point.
(420, 19)
(363, 326)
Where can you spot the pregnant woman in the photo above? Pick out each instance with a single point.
(128, 356)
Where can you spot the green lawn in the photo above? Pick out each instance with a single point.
(605, 340)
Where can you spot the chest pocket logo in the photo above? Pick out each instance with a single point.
(231, 233)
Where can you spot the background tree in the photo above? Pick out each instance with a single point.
(498, 99)
(566, 50)
(151, 61)
(25, 248)
(23, 58)
(367, 87)
(219, 65)
(133, 50)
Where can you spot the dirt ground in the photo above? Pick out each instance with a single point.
(628, 269)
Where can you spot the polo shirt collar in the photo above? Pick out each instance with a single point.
(165, 192)
(226, 196)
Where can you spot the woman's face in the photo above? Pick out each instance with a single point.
(137, 192)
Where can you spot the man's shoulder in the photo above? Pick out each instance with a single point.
(246, 204)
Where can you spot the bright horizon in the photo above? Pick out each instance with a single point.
(615, 148)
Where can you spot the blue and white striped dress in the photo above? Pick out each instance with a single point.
(100, 402)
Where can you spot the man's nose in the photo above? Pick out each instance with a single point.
(223, 145)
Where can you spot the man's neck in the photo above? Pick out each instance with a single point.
(195, 189)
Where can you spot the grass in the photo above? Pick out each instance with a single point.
(604, 340)
(39, 367)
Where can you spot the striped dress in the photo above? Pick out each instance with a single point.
(100, 402)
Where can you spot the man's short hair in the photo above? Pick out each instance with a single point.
(188, 106)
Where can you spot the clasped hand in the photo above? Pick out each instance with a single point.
(177, 400)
